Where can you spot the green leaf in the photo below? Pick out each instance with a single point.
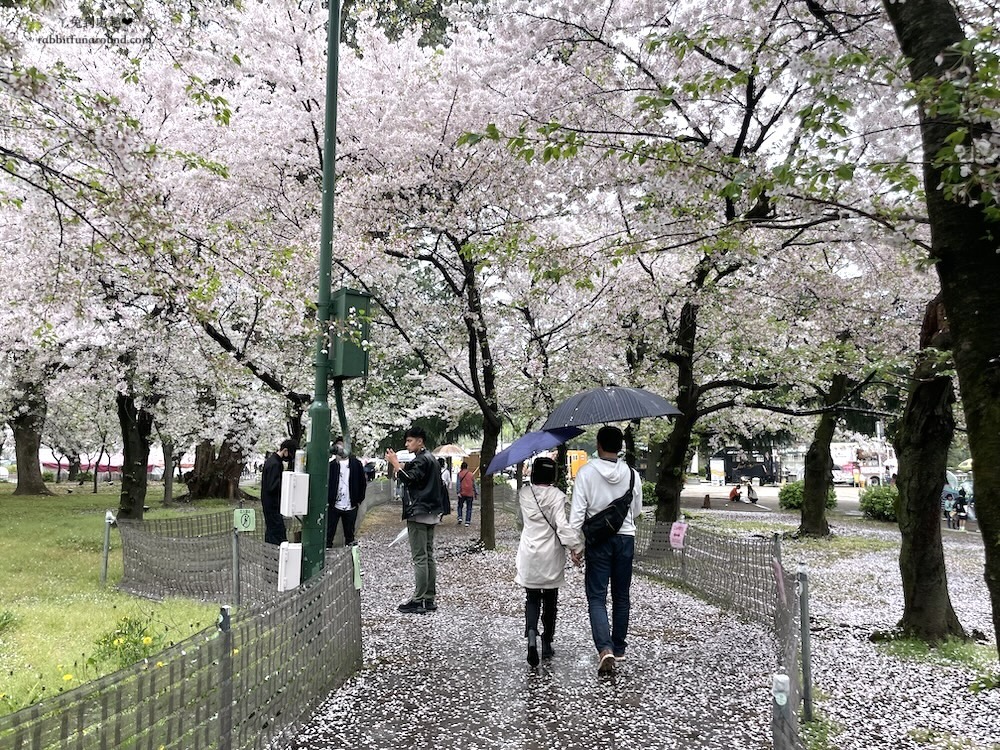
(845, 171)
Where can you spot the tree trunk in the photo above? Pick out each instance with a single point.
(964, 248)
(483, 369)
(819, 466)
(95, 467)
(487, 514)
(168, 472)
(27, 427)
(670, 470)
(294, 411)
(922, 443)
(631, 457)
(73, 474)
(673, 452)
(137, 426)
(215, 475)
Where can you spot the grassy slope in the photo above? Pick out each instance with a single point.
(52, 606)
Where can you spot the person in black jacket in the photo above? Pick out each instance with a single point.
(270, 492)
(422, 509)
(345, 492)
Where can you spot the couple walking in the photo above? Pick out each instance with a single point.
(541, 554)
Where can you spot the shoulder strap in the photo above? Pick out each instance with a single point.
(551, 526)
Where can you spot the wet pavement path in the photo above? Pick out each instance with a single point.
(694, 677)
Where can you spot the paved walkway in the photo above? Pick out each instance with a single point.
(694, 676)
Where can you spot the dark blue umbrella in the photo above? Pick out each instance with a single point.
(528, 445)
(609, 404)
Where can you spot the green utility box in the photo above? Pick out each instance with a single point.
(349, 326)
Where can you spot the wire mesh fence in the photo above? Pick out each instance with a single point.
(223, 688)
(200, 557)
(745, 576)
(235, 686)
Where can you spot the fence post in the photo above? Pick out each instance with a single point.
(225, 680)
(109, 518)
(783, 725)
(236, 567)
(803, 581)
(776, 550)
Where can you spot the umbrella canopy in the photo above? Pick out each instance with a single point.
(450, 451)
(966, 465)
(609, 404)
(530, 444)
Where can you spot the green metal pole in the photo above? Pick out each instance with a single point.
(314, 524)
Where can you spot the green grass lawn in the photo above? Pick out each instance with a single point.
(53, 610)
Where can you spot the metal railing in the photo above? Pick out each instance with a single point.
(238, 685)
(745, 576)
(231, 687)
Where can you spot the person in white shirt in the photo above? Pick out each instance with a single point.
(597, 484)
(541, 554)
(345, 492)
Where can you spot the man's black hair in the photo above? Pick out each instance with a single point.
(610, 438)
(291, 445)
(416, 432)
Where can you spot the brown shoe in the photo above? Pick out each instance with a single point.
(606, 663)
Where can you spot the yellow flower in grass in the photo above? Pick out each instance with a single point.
(67, 677)
(146, 641)
(116, 642)
(159, 664)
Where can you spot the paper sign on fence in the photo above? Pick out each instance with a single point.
(677, 531)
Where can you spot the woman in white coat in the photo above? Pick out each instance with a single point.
(541, 555)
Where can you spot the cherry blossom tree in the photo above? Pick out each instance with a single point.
(694, 114)
(956, 136)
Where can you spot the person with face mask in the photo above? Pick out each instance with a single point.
(270, 491)
(345, 492)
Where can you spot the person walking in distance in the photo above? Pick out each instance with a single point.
(466, 492)
(541, 554)
(422, 508)
(270, 491)
(961, 512)
(597, 484)
(345, 492)
(445, 465)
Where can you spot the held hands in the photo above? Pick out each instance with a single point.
(577, 557)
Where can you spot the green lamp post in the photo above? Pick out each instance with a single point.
(318, 453)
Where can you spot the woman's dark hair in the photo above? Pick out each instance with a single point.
(543, 471)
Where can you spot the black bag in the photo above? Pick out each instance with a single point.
(604, 525)
(445, 500)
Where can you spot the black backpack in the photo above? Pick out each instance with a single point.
(604, 525)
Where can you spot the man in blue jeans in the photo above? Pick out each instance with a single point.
(608, 562)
